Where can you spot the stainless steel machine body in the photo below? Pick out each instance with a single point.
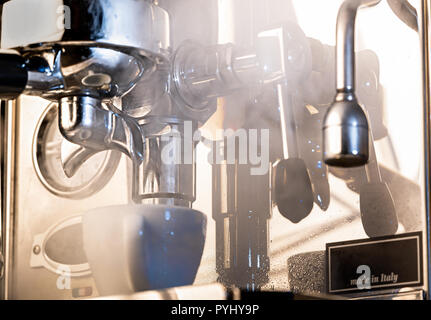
(82, 58)
(110, 84)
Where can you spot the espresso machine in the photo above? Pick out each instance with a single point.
(196, 146)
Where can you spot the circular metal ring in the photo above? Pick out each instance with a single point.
(102, 171)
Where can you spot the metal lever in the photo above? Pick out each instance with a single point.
(378, 213)
(293, 191)
(292, 184)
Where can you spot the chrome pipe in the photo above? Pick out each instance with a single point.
(424, 27)
(8, 128)
(346, 42)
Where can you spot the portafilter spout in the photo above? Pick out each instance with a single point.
(83, 121)
(345, 127)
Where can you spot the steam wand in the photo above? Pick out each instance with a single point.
(345, 127)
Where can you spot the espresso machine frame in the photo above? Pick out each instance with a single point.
(9, 129)
(7, 182)
(425, 32)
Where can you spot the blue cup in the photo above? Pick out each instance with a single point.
(143, 247)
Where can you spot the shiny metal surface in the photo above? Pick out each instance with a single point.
(288, 124)
(9, 118)
(345, 127)
(82, 120)
(129, 25)
(345, 134)
(102, 50)
(62, 166)
(406, 12)
(240, 202)
(424, 32)
(47, 247)
(201, 74)
(1, 265)
(167, 174)
(34, 209)
(81, 69)
(242, 212)
(346, 42)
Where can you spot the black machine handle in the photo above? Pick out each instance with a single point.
(13, 75)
